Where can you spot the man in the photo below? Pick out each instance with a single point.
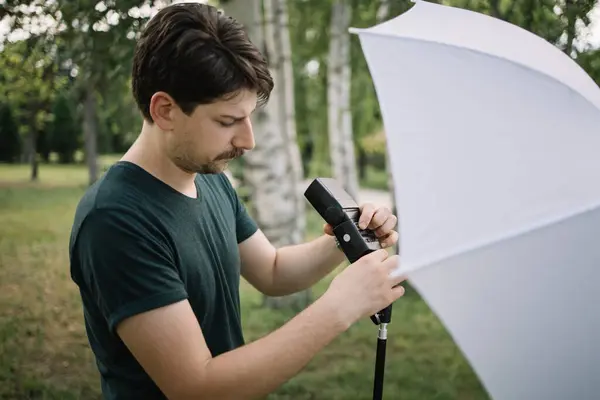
(160, 241)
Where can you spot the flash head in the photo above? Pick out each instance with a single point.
(330, 200)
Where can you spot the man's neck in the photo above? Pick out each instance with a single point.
(146, 152)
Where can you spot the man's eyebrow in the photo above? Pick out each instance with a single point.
(233, 117)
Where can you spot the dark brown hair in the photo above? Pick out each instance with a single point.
(197, 55)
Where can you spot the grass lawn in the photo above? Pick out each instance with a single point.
(44, 352)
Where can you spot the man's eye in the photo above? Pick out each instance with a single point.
(226, 124)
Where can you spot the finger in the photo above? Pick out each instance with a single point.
(389, 240)
(378, 255)
(392, 262)
(380, 217)
(396, 279)
(328, 229)
(398, 292)
(387, 226)
(366, 214)
(396, 274)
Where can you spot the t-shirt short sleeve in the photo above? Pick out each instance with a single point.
(245, 224)
(124, 265)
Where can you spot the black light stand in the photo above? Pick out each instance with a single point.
(342, 212)
(383, 318)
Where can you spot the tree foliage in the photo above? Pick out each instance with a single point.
(85, 52)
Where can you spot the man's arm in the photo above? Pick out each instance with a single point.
(130, 273)
(289, 269)
(169, 344)
(278, 272)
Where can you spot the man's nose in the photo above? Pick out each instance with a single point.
(244, 138)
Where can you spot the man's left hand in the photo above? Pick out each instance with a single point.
(379, 219)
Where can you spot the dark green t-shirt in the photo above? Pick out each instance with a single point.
(138, 244)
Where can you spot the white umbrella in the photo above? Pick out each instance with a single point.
(494, 138)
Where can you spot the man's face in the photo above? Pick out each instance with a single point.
(214, 134)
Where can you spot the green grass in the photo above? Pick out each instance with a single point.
(44, 352)
(50, 174)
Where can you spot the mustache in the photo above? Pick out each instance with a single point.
(235, 153)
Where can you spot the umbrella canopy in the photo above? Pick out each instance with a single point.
(494, 141)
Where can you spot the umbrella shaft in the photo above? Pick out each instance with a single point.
(380, 362)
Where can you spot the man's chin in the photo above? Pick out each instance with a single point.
(216, 167)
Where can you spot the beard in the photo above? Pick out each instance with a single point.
(215, 166)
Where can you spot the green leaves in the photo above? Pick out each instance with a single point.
(590, 62)
(29, 81)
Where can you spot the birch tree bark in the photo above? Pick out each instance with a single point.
(273, 170)
(341, 142)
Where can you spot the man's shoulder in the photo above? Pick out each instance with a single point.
(231, 205)
(114, 196)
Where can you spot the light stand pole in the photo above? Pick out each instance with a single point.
(383, 318)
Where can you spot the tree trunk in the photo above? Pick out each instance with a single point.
(279, 49)
(341, 141)
(90, 129)
(273, 170)
(362, 164)
(32, 154)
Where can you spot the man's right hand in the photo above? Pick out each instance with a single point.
(365, 287)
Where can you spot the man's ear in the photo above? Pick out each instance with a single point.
(162, 110)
